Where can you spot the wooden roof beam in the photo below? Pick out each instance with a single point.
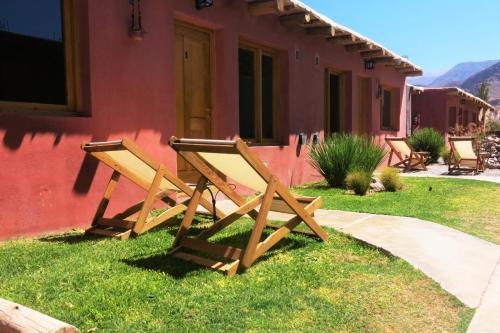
(266, 7)
(380, 60)
(295, 19)
(358, 46)
(373, 53)
(342, 38)
(327, 31)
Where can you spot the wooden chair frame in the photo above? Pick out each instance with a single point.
(123, 224)
(415, 161)
(455, 160)
(275, 198)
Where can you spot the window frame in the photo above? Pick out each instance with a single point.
(72, 69)
(393, 113)
(259, 51)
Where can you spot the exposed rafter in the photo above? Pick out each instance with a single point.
(373, 53)
(266, 7)
(295, 19)
(293, 13)
(342, 38)
(358, 46)
(327, 31)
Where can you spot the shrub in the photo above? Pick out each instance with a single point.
(445, 154)
(340, 154)
(428, 139)
(359, 181)
(494, 125)
(391, 179)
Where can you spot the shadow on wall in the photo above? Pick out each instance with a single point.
(72, 131)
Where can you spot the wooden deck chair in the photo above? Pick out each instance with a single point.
(211, 158)
(464, 155)
(129, 161)
(409, 159)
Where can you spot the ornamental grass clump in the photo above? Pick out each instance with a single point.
(429, 140)
(340, 154)
(390, 178)
(359, 182)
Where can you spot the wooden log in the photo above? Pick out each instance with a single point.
(373, 53)
(295, 19)
(358, 46)
(327, 31)
(266, 7)
(15, 318)
(342, 39)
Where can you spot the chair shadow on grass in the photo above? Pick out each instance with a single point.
(82, 237)
(178, 268)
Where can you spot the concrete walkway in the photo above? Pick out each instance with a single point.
(465, 266)
(440, 170)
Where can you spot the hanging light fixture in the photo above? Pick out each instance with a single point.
(200, 4)
(136, 30)
(369, 64)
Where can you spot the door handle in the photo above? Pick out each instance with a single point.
(208, 112)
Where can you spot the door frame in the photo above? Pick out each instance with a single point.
(211, 40)
(342, 95)
(364, 126)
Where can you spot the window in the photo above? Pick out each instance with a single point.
(452, 116)
(257, 91)
(37, 58)
(389, 109)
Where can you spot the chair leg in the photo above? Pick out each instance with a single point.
(103, 205)
(260, 223)
(190, 211)
(148, 202)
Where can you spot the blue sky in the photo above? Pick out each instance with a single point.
(434, 34)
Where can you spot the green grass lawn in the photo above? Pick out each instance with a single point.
(467, 205)
(302, 285)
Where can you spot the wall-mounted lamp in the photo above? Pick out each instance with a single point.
(136, 30)
(200, 4)
(315, 138)
(369, 65)
(302, 139)
(297, 54)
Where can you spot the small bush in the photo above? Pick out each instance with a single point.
(445, 154)
(340, 154)
(359, 182)
(494, 125)
(428, 139)
(391, 179)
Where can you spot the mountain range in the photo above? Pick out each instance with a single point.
(490, 75)
(469, 76)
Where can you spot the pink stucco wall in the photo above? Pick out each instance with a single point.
(49, 184)
(433, 107)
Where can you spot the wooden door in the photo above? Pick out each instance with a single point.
(364, 106)
(193, 90)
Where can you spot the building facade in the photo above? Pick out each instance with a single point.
(449, 110)
(266, 71)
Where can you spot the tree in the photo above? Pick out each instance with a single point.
(483, 91)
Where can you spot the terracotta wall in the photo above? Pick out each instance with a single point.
(49, 184)
(433, 107)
